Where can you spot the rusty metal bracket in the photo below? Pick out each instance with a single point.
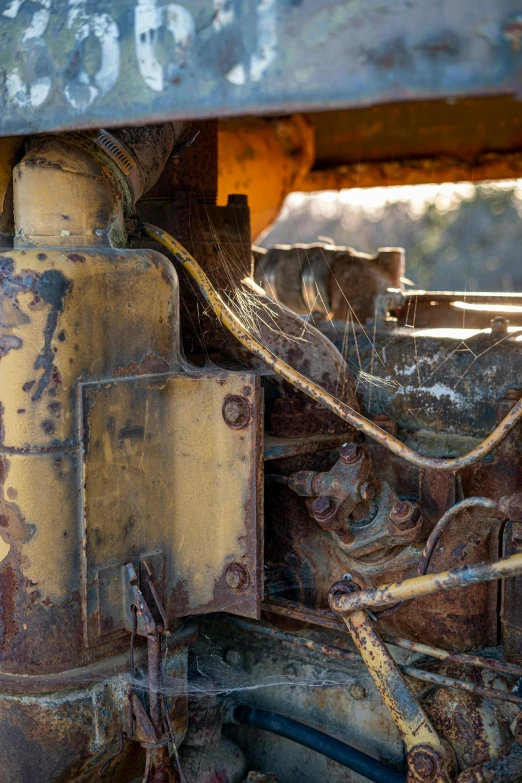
(148, 728)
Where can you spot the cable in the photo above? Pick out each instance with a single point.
(437, 531)
(315, 740)
(341, 409)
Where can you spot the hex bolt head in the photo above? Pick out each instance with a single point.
(499, 325)
(236, 411)
(350, 453)
(423, 765)
(404, 514)
(237, 577)
(322, 508)
(367, 491)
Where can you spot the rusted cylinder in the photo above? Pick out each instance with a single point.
(74, 309)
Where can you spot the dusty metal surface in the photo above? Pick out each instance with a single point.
(435, 381)
(261, 57)
(171, 428)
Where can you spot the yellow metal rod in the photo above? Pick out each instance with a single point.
(234, 325)
(409, 717)
(464, 576)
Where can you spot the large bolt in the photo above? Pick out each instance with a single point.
(236, 576)
(404, 514)
(423, 765)
(236, 411)
(499, 325)
(323, 508)
(351, 453)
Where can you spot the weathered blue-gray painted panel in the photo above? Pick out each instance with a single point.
(87, 63)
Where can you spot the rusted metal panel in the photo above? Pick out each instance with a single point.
(209, 57)
(159, 455)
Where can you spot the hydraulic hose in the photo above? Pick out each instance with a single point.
(315, 740)
(369, 428)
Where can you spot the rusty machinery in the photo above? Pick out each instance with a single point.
(187, 463)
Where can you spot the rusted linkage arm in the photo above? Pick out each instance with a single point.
(430, 760)
(344, 602)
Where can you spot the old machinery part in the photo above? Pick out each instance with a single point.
(332, 651)
(265, 159)
(207, 756)
(327, 280)
(327, 619)
(439, 528)
(234, 325)
(429, 309)
(465, 576)
(429, 758)
(93, 398)
(316, 740)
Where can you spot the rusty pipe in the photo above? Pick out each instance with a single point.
(357, 420)
(325, 619)
(464, 576)
(331, 651)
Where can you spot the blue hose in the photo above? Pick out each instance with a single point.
(315, 740)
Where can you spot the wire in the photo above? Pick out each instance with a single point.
(341, 409)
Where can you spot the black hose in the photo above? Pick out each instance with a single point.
(315, 740)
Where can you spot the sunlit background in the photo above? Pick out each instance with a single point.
(458, 237)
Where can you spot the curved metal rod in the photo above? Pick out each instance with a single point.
(443, 521)
(341, 409)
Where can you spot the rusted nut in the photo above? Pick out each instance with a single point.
(404, 514)
(350, 453)
(511, 506)
(423, 765)
(236, 411)
(237, 577)
(301, 483)
(323, 509)
(499, 325)
(338, 589)
(367, 491)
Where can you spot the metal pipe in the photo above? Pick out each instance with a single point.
(465, 576)
(347, 655)
(460, 685)
(320, 618)
(315, 740)
(341, 409)
(455, 657)
(443, 521)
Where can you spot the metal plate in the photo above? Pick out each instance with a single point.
(69, 64)
(167, 479)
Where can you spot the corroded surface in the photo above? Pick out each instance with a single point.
(208, 58)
